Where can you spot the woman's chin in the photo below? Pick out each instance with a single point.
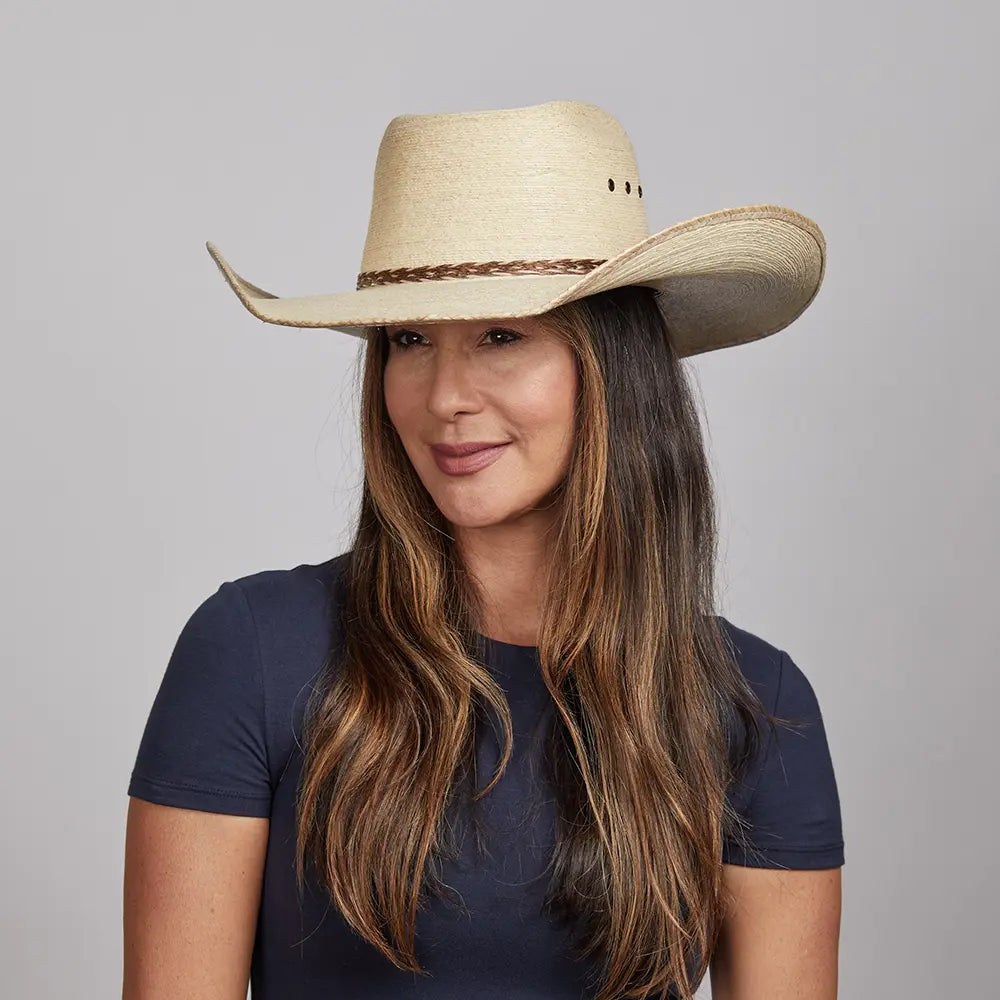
(473, 515)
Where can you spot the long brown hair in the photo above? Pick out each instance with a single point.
(653, 718)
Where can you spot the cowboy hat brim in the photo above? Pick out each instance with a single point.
(725, 278)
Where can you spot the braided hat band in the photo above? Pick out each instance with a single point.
(470, 268)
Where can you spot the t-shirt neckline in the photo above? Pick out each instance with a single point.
(507, 645)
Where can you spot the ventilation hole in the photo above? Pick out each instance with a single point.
(611, 184)
(639, 189)
(628, 188)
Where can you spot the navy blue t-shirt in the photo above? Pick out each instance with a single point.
(224, 735)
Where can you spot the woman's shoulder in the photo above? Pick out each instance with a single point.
(228, 711)
(790, 796)
(296, 618)
(778, 680)
(759, 659)
(303, 588)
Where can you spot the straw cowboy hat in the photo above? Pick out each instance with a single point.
(512, 212)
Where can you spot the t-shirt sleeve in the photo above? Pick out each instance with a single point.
(204, 744)
(794, 810)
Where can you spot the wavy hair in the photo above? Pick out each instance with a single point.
(652, 718)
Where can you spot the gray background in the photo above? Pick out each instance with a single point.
(158, 439)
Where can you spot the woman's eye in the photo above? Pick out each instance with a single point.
(504, 333)
(399, 337)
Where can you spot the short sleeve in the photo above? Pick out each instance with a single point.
(794, 812)
(204, 744)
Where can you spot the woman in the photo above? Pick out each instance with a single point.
(503, 746)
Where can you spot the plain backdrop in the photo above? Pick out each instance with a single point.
(158, 439)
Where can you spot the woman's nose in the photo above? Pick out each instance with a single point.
(451, 384)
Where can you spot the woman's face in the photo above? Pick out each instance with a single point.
(510, 383)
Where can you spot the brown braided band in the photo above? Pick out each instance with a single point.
(438, 272)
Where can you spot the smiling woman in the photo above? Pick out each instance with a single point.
(504, 745)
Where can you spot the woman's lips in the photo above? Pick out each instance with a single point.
(462, 465)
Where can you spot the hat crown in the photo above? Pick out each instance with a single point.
(550, 181)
